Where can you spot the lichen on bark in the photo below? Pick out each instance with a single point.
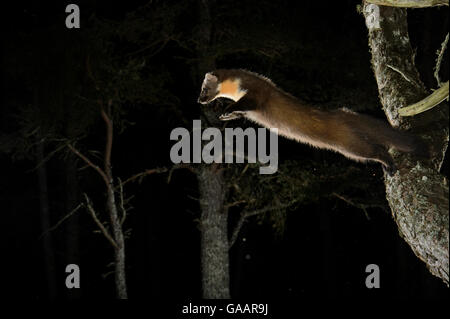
(417, 193)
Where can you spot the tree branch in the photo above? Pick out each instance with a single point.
(361, 206)
(409, 3)
(437, 68)
(158, 170)
(88, 162)
(146, 173)
(427, 103)
(99, 224)
(73, 211)
(404, 75)
(247, 214)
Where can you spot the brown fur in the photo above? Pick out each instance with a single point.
(356, 136)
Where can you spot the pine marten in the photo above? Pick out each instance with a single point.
(357, 136)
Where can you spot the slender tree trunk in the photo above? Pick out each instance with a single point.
(49, 256)
(417, 193)
(212, 184)
(214, 235)
(119, 252)
(117, 238)
(72, 229)
(116, 223)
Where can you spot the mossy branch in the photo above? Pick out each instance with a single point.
(409, 3)
(427, 103)
(437, 68)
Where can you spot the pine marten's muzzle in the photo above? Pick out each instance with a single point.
(204, 97)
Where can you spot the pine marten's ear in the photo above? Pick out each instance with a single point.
(210, 77)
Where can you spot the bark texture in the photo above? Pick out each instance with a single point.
(119, 252)
(214, 235)
(417, 193)
(211, 181)
(410, 3)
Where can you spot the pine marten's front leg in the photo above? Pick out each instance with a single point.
(237, 109)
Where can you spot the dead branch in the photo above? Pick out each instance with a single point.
(158, 170)
(145, 173)
(73, 211)
(48, 156)
(178, 166)
(437, 68)
(88, 162)
(361, 206)
(98, 222)
(404, 75)
(245, 215)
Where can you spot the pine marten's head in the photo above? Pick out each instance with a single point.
(216, 84)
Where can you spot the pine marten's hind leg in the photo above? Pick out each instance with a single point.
(365, 151)
(390, 170)
(382, 156)
(360, 145)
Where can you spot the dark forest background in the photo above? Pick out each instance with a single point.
(144, 55)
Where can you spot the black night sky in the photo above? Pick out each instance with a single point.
(146, 58)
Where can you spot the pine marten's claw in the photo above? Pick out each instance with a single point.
(226, 117)
(390, 170)
(230, 116)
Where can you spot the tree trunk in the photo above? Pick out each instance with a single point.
(212, 184)
(116, 223)
(214, 235)
(417, 193)
(119, 252)
(72, 229)
(49, 256)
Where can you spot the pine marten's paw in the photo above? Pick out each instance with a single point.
(231, 116)
(390, 170)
